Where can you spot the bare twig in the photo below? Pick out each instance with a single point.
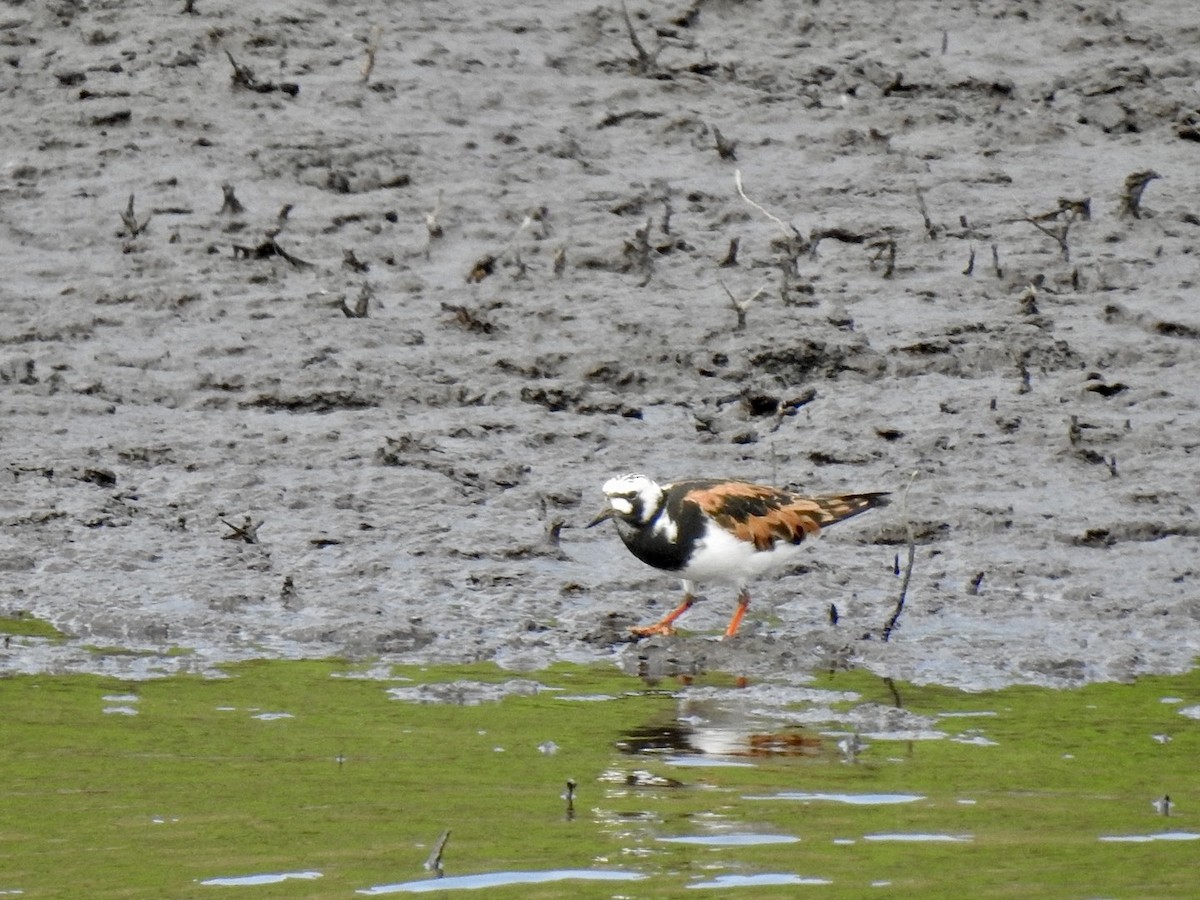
(970, 269)
(361, 305)
(243, 77)
(725, 149)
(247, 531)
(267, 249)
(912, 555)
(930, 228)
(730, 259)
(740, 306)
(569, 796)
(646, 63)
(230, 205)
(885, 250)
(1135, 185)
(638, 254)
(129, 218)
(789, 232)
(1060, 220)
(372, 49)
(351, 261)
(434, 862)
(996, 261)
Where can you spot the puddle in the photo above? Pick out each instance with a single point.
(853, 799)
(921, 837)
(122, 707)
(731, 840)
(465, 692)
(768, 879)
(974, 740)
(710, 761)
(585, 698)
(500, 879)
(1146, 838)
(270, 878)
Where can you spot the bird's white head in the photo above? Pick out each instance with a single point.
(632, 498)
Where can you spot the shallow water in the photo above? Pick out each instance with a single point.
(500, 879)
(362, 775)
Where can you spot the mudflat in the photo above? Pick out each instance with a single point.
(323, 324)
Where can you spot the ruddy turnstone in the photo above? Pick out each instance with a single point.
(724, 531)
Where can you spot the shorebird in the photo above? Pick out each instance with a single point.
(717, 530)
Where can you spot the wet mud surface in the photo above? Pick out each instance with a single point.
(435, 309)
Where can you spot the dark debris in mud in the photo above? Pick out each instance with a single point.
(659, 241)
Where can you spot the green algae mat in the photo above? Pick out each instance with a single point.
(331, 779)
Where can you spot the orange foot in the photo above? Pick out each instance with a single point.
(666, 627)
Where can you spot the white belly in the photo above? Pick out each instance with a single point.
(723, 558)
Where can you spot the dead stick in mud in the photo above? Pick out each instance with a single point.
(930, 228)
(230, 204)
(1058, 234)
(247, 531)
(372, 49)
(885, 250)
(912, 555)
(434, 862)
(1135, 185)
(789, 231)
(129, 218)
(740, 306)
(726, 149)
(646, 62)
(730, 259)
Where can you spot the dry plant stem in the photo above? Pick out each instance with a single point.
(129, 218)
(646, 62)
(432, 225)
(372, 49)
(725, 149)
(740, 306)
(789, 232)
(266, 250)
(1059, 234)
(230, 205)
(247, 531)
(886, 250)
(1135, 185)
(434, 862)
(730, 259)
(361, 305)
(912, 555)
(930, 228)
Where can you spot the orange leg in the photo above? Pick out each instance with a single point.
(665, 627)
(739, 613)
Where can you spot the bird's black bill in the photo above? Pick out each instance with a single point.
(606, 514)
